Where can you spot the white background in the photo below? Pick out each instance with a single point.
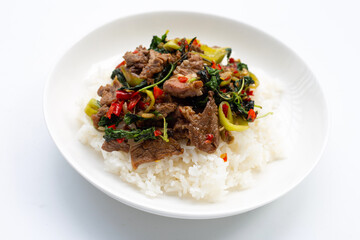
(42, 197)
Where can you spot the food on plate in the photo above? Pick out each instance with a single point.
(177, 102)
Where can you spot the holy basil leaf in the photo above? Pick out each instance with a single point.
(130, 118)
(241, 66)
(248, 81)
(156, 41)
(104, 121)
(135, 88)
(228, 54)
(136, 134)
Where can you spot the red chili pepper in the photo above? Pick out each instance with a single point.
(214, 66)
(231, 60)
(207, 141)
(122, 63)
(182, 79)
(196, 43)
(209, 137)
(224, 157)
(157, 92)
(227, 78)
(157, 133)
(120, 140)
(225, 109)
(251, 115)
(136, 51)
(223, 90)
(250, 93)
(110, 111)
(133, 102)
(236, 71)
(118, 108)
(112, 126)
(142, 105)
(123, 95)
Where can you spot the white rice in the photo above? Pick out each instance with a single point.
(197, 174)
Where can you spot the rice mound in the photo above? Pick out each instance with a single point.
(197, 174)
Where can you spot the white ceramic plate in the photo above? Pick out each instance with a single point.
(308, 111)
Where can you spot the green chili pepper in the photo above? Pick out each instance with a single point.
(92, 107)
(227, 121)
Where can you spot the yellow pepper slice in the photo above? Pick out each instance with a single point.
(227, 122)
(225, 82)
(131, 78)
(92, 107)
(256, 80)
(213, 54)
(171, 45)
(152, 98)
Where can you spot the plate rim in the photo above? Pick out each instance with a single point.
(174, 214)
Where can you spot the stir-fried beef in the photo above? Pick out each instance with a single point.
(108, 92)
(154, 115)
(188, 68)
(200, 127)
(156, 64)
(152, 150)
(165, 108)
(137, 60)
(97, 116)
(114, 145)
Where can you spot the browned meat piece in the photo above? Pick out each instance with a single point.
(193, 47)
(113, 145)
(180, 130)
(199, 126)
(196, 49)
(96, 117)
(175, 56)
(165, 108)
(108, 92)
(193, 64)
(135, 62)
(152, 150)
(187, 68)
(157, 62)
(183, 90)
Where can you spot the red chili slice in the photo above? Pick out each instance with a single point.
(182, 79)
(117, 107)
(236, 71)
(209, 137)
(136, 51)
(143, 105)
(250, 93)
(157, 92)
(123, 95)
(122, 63)
(224, 157)
(133, 102)
(227, 78)
(112, 126)
(231, 60)
(110, 111)
(251, 115)
(225, 109)
(120, 140)
(157, 133)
